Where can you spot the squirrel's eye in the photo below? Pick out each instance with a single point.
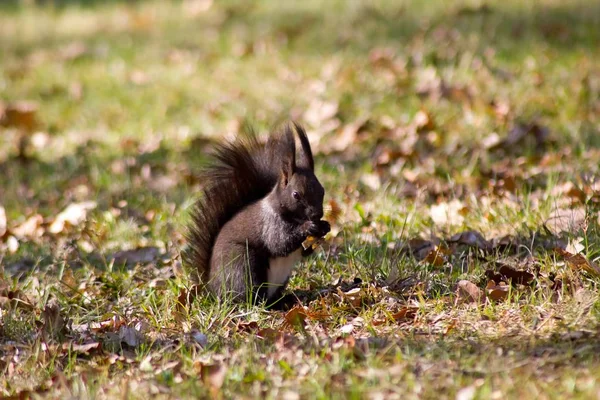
(296, 195)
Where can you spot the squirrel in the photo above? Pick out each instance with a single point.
(259, 202)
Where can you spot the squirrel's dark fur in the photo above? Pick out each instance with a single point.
(258, 203)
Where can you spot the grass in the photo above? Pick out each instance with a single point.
(401, 100)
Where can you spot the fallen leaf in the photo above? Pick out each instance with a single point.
(73, 215)
(515, 276)
(467, 291)
(497, 292)
(21, 115)
(438, 256)
(296, 316)
(579, 262)
(408, 312)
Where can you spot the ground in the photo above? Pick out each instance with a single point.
(458, 143)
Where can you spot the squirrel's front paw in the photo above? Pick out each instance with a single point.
(318, 229)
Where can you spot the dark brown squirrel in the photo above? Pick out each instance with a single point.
(258, 204)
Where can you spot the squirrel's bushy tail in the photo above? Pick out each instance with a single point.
(240, 173)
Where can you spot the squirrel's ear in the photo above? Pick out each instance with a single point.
(305, 157)
(287, 170)
(288, 160)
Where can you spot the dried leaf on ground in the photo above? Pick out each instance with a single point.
(73, 215)
(21, 115)
(467, 291)
(298, 314)
(509, 274)
(579, 262)
(438, 256)
(497, 292)
(404, 314)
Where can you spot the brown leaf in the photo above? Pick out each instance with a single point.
(296, 316)
(517, 277)
(438, 256)
(251, 326)
(73, 215)
(579, 262)
(467, 291)
(21, 115)
(497, 292)
(408, 312)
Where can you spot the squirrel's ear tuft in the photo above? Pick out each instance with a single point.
(305, 156)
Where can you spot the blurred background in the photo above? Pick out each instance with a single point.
(117, 101)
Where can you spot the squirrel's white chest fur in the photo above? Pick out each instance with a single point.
(280, 269)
